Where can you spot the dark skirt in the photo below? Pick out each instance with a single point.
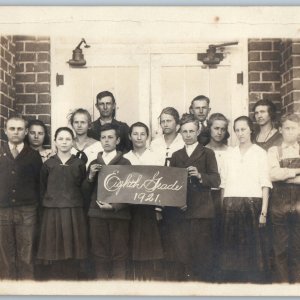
(145, 235)
(63, 234)
(242, 240)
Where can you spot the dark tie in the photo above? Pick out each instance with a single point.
(82, 156)
(14, 151)
(202, 126)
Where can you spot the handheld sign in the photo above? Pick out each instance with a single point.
(151, 185)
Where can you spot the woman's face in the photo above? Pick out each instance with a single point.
(218, 131)
(242, 131)
(139, 137)
(80, 124)
(168, 124)
(36, 135)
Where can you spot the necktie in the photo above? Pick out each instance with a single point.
(202, 126)
(14, 151)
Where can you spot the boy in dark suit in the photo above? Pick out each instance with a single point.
(190, 227)
(19, 197)
(109, 223)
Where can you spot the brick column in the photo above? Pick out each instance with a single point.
(33, 94)
(7, 81)
(264, 61)
(290, 74)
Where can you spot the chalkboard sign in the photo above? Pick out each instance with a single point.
(150, 185)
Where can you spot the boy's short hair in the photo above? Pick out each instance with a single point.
(109, 126)
(188, 118)
(17, 118)
(290, 117)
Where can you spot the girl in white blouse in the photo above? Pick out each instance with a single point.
(245, 206)
(84, 147)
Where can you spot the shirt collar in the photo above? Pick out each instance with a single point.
(108, 156)
(19, 146)
(191, 148)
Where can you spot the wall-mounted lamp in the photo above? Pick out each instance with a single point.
(78, 57)
(212, 58)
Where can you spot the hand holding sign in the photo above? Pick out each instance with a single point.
(94, 168)
(193, 171)
(104, 206)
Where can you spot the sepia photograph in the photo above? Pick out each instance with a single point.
(150, 151)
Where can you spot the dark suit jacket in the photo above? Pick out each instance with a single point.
(124, 145)
(199, 201)
(19, 177)
(204, 136)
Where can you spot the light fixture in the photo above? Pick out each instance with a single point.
(212, 58)
(78, 57)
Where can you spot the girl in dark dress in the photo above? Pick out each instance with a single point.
(63, 237)
(146, 246)
(245, 207)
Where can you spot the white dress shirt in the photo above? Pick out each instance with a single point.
(190, 148)
(19, 146)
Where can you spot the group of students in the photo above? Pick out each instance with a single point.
(52, 226)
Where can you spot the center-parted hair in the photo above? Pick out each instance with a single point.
(109, 126)
(172, 112)
(188, 118)
(42, 124)
(271, 107)
(219, 117)
(79, 111)
(249, 122)
(139, 124)
(60, 129)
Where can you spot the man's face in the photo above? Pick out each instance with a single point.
(262, 116)
(109, 140)
(189, 132)
(105, 107)
(200, 110)
(15, 131)
(290, 131)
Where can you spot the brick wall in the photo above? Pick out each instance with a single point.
(7, 81)
(290, 75)
(33, 95)
(264, 60)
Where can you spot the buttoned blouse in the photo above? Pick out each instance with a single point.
(246, 174)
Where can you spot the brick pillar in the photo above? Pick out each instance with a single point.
(7, 81)
(264, 61)
(290, 74)
(33, 95)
